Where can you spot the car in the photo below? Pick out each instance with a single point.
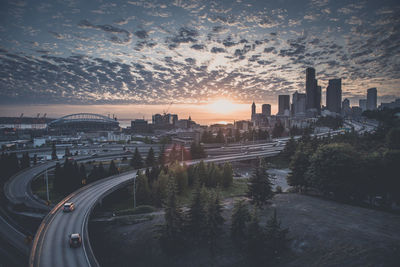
(68, 207)
(75, 240)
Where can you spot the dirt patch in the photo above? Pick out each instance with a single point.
(323, 233)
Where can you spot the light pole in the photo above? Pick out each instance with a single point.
(134, 192)
(47, 186)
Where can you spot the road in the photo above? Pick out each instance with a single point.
(50, 246)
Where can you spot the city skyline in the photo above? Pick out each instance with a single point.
(139, 52)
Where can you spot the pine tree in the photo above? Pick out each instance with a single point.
(101, 171)
(82, 174)
(196, 218)
(220, 137)
(161, 157)
(171, 232)
(112, 169)
(159, 189)
(143, 196)
(240, 218)
(202, 172)
(260, 186)
(255, 238)
(150, 159)
(227, 175)
(214, 221)
(137, 161)
(275, 237)
(35, 159)
(53, 152)
(25, 161)
(58, 183)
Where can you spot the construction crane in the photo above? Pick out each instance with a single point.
(166, 111)
(18, 122)
(36, 121)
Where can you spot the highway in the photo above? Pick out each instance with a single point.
(50, 246)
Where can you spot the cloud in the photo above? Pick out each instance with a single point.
(126, 36)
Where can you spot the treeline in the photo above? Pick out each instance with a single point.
(202, 222)
(329, 121)
(151, 186)
(10, 164)
(235, 136)
(70, 176)
(350, 167)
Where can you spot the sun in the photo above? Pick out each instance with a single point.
(222, 106)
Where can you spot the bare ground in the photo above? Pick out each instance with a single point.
(323, 233)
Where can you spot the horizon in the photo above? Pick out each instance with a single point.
(140, 54)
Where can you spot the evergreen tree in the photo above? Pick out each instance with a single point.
(25, 161)
(94, 175)
(35, 159)
(240, 218)
(299, 166)
(143, 196)
(276, 238)
(278, 130)
(53, 152)
(260, 186)
(137, 161)
(112, 169)
(180, 175)
(82, 174)
(255, 239)
(12, 164)
(159, 189)
(289, 150)
(196, 218)
(202, 172)
(161, 157)
(214, 221)
(67, 152)
(220, 137)
(237, 135)
(150, 159)
(227, 175)
(58, 182)
(171, 232)
(101, 171)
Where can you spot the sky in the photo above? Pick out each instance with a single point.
(135, 58)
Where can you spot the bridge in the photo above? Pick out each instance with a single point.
(84, 122)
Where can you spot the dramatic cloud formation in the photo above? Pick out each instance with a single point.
(159, 52)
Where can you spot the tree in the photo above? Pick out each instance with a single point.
(335, 168)
(393, 138)
(82, 174)
(171, 237)
(278, 130)
(237, 135)
(180, 175)
(136, 161)
(161, 157)
(197, 151)
(112, 169)
(275, 237)
(58, 182)
(34, 159)
(260, 186)
(53, 152)
(289, 150)
(220, 137)
(240, 218)
(67, 152)
(299, 166)
(150, 159)
(196, 218)
(101, 171)
(214, 221)
(255, 239)
(159, 189)
(227, 175)
(25, 161)
(142, 190)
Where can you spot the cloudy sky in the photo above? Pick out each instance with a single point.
(97, 52)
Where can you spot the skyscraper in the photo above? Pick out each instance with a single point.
(266, 109)
(284, 104)
(334, 95)
(299, 104)
(253, 110)
(313, 92)
(363, 104)
(371, 99)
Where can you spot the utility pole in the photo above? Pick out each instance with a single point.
(134, 192)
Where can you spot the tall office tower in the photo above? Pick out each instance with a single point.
(284, 105)
(371, 99)
(253, 111)
(299, 104)
(346, 110)
(334, 96)
(266, 109)
(363, 104)
(311, 88)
